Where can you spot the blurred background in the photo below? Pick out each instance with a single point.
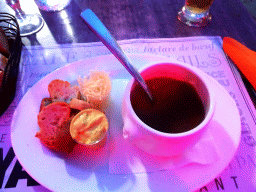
(250, 6)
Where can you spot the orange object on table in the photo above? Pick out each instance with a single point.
(243, 57)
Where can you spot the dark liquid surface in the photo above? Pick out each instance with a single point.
(176, 108)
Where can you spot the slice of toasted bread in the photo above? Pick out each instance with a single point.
(80, 104)
(4, 45)
(3, 62)
(54, 121)
(61, 91)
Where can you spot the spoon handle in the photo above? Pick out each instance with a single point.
(109, 41)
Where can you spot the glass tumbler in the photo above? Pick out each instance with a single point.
(195, 13)
(52, 5)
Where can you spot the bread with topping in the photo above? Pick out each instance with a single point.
(61, 91)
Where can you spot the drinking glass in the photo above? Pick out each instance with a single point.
(195, 13)
(28, 23)
(52, 5)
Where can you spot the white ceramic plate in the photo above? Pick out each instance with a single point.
(88, 171)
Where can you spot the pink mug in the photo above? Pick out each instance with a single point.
(160, 143)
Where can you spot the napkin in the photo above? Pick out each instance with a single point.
(126, 158)
(243, 57)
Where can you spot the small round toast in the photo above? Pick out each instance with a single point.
(60, 90)
(54, 122)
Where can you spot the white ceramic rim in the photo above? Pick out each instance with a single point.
(193, 131)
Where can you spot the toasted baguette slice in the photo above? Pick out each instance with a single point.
(4, 45)
(3, 62)
(54, 121)
(61, 91)
(80, 104)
